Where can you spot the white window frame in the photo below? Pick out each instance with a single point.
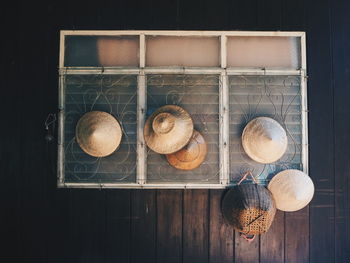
(141, 71)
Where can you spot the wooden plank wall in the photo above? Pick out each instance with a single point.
(40, 223)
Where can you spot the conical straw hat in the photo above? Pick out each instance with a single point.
(168, 129)
(191, 156)
(98, 133)
(264, 140)
(292, 190)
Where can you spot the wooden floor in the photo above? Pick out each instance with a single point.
(40, 223)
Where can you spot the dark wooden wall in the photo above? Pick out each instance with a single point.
(40, 223)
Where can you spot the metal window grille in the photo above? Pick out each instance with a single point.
(220, 99)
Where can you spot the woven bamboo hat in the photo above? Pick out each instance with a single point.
(191, 156)
(292, 190)
(249, 208)
(98, 133)
(264, 140)
(168, 129)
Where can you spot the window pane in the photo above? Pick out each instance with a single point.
(115, 94)
(277, 97)
(264, 52)
(182, 51)
(199, 96)
(106, 51)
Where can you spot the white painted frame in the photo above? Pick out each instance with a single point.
(142, 71)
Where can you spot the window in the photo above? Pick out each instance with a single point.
(223, 79)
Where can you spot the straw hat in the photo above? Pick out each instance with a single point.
(292, 190)
(249, 208)
(264, 140)
(168, 129)
(98, 133)
(191, 156)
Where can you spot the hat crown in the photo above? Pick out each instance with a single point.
(163, 123)
(98, 133)
(264, 140)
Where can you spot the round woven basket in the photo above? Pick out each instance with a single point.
(249, 208)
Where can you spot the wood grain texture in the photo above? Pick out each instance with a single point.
(221, 235)
(341, 57)
(272, 242)
(88, 225)
(297, 236)
(42, 224)
(169, 225)
(244, 251)
(321, 132)
(118, 226)
(143, 225)
(195, 226)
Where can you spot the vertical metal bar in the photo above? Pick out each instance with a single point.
(304, 117)
(224, 129)
(223, 51)
(303, 51)
(224, 114)
(62, 49)
(141, 116)
(142, 51)
(304, 123)
(60, 141)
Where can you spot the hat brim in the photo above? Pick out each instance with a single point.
(113, 134)
(176, 159)
(268, 150)
(292, 190)
(174, 140)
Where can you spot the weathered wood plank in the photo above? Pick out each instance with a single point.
(88, 225)
(297, 236)
(195, 226)
(340, 29)
(143, 226)
(321, 132)
(221, 235)
(272, 242)
(118, 226)
(246, 252)
(169, 225)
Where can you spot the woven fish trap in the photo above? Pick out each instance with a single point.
(249, 208)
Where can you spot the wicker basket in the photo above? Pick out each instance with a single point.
(249, 208)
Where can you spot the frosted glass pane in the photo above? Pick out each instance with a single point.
(97, 51)
(269, 52)
(182, 51)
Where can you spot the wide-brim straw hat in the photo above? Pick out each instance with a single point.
(98, 133)
(249, 208)
(191, 156)
(264, 140)
(292, 190)
(168, 129)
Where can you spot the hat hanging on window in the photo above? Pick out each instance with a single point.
(292, 190)
(191, 156)
(249, 208)
(168, 129)
(264, 140)
(98, 133)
